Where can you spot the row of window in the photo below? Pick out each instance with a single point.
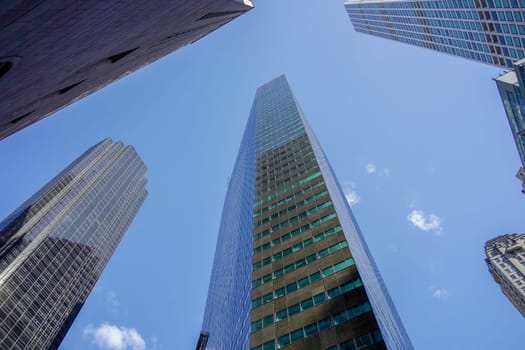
(458, 4)
(278, 165)
(288, 170)
(291, 287)
(289, 209)
(288, 188)
(310, 258)
(302, 229)
(299, 216)
(450, 50)
(284, 253)
(361, 342)
(265, 187)
(300, 143)
(316, 327)
(275, 157)
(305, 261)
(322, 235)
(271, 160)
(302, 306)
(289, 198)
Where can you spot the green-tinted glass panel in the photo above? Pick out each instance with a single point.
(303, 282)
(306, 304)
(280, 315)
(310, 329)
(291, 287)
(297, 335)
(269, 345)
(284, 340)
(314, 277)
(311, 258)
(268, 320)
(292, 310)
(324, 324)
(335, 292)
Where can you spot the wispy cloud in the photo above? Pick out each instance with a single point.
(351, 194)
(425, 222)
(112, 300)
(107, 296)
(372, 169)
(111, 337)
(440, 293)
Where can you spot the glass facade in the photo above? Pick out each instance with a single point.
(511, 94)
(54, 247)
(291, 267)
(489, 31)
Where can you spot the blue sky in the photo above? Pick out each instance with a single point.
(417, 136)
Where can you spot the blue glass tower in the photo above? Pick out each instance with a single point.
(511, 86)
(489, 31)
(291, 268)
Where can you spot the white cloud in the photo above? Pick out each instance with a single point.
(352, 197)
(111, 337)
(371, 168)
(425, 222)
(440, 293)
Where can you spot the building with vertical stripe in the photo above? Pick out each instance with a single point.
(54, 247)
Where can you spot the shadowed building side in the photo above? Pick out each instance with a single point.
(55, 52)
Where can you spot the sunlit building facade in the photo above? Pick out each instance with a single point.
(512, 92)
(54, 247)
(291, 268)
(506, 263)
(488, 31)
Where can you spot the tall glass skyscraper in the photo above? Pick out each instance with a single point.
(291, 269)
(54, 246)
(489, 31)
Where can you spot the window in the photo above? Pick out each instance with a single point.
(284, 340)
(269, 345)
(306, 304)
(292, 310)
(324, 324)
(310, 329)
(297, 335)
(281, 315)
(319, 298)
(267, 320)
